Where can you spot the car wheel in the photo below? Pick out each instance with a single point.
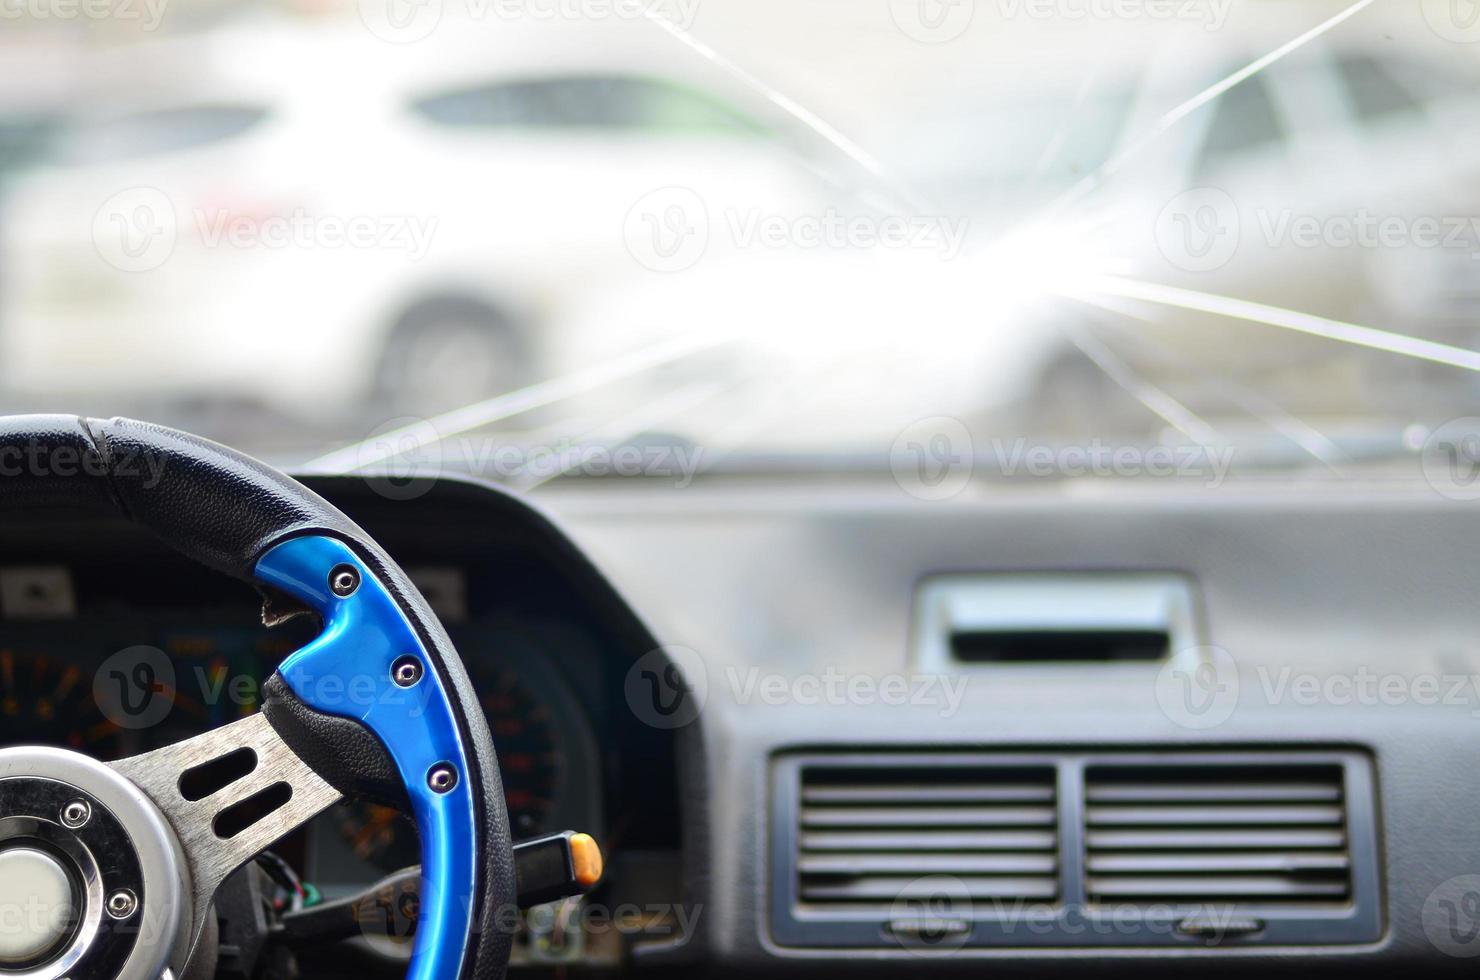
(449, 357)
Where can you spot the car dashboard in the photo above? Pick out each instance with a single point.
(1044, 770)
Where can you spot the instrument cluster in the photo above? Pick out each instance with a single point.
(119, 681)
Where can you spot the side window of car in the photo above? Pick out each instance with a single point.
(145, 134)
(24, 140)
(1374, 91)
(1244, 120)
(587, 102)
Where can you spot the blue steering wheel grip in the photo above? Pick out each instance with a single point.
(350, 670)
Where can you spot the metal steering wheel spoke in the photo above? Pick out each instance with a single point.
(228, 794)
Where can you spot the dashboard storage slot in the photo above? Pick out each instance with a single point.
(1022, 620)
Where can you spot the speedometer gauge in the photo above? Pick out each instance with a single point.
(50, 702)
(529, 756)
(54, 700)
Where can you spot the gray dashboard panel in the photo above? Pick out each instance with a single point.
(787, 582)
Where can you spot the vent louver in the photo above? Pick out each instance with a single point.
(1247, 835)
(893, 850)
(871, 837)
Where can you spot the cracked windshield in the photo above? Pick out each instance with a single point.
(959, 243)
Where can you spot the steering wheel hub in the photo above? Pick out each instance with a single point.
(61, 871)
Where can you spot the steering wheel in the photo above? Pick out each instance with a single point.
(377, 706)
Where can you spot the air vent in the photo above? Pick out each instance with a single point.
(1262, 835)
(876, 837)
(879, 849)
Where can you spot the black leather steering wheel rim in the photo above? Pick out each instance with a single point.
(226, 510)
